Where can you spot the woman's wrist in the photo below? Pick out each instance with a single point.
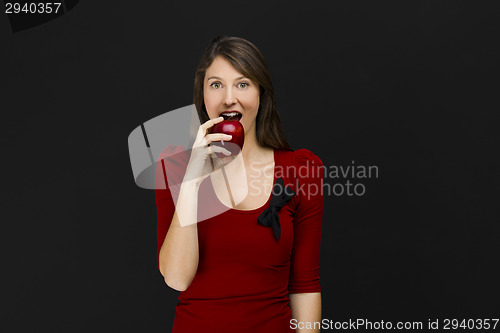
(191, 184)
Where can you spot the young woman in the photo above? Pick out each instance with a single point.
(255, 266)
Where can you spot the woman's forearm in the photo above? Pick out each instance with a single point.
(179, 255)
(306, 311)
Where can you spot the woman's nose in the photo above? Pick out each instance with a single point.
(230, 98)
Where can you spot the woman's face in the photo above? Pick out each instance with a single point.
(226, 89)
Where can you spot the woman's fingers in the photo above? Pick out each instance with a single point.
(217, 137)
(197, 166)
(217, 149)
(209, 123)
(202, 130)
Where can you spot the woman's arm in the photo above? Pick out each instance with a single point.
(306, 310)
(179, 255)
(304, 285)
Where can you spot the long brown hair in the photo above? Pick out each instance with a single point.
(249, 61)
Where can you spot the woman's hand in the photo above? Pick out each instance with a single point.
(199, 166)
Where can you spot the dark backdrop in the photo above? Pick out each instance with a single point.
(408, 86)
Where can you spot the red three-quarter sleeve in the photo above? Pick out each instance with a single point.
(304, 267)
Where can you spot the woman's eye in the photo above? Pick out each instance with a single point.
(216, 85)
(243, 85)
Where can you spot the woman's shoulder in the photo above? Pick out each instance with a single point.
(173, 150)
(302, 157)
(174, 157)
(170, 169)
(302, 166)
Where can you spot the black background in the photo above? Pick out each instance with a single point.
(408, 86)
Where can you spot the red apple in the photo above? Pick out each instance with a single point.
(231, 126)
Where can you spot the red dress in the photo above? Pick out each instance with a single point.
(245, 273)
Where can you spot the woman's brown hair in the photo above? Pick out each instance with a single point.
(249, 61)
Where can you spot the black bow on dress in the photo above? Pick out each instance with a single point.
(270, 217)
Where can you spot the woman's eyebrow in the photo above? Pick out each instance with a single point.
(218, 78)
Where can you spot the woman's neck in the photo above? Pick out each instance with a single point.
(253, 152)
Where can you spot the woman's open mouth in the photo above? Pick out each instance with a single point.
(231, 115)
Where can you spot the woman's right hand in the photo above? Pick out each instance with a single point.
(199, 166)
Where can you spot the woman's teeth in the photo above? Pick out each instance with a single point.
(229, 115)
